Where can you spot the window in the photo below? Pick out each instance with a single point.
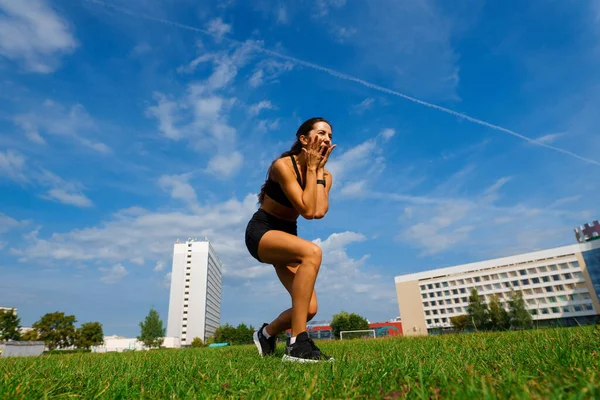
(430, 286)
(427, 312)
(560, 288)
(577, 308)
(588, 307)
(497, 286)
(564, 266)
(535, 280)
(454, 291)
(429, 321)
(566, 309)
(532, 271)
(552, 299)
(544, 311)
(477, 279)
(543, 268)
(445, 284)
(433, 303)
(553, 268)
(448, 301)
(424, 295)
(522, 272)
(426, 304)
(525, 281)
(545, 279)
(555, 310)
(548, 289)
(456, 301)
(463, 290)
(446, 293)
(568, 276)
(422, 287)
(437, 285)
(556, 277)
(503, 275)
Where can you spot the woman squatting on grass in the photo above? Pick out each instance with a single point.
(297, 184)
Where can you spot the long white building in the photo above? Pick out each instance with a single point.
(195, 298)
(559, 285)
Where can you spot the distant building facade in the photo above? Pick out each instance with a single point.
(559, 285)
(321, 329)
(195, 295)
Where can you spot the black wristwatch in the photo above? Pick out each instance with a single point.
(322, 182)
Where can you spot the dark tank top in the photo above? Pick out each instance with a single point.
(274, 191)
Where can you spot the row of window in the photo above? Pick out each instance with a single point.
(500, 275)
(534, 311)
(528, 292)
(506, 286)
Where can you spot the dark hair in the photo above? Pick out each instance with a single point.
(295, 150)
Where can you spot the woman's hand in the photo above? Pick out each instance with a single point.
(312, 153)
(325, 151)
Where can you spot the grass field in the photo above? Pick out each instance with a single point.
(541, 364)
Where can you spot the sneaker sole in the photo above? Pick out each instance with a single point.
(288, 358)
(257, 343)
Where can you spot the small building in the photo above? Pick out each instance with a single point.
(21, 348)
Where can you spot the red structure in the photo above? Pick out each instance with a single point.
(382, 329)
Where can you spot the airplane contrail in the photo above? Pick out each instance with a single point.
(347, 77)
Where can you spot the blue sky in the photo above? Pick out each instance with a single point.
(464, 132)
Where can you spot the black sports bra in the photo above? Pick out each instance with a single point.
(274, 191)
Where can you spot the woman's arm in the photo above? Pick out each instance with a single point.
(304, 201)
(323, 193)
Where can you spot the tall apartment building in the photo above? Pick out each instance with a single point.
(195, 298)
(558, 285)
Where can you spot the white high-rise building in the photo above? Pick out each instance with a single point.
(195, 298)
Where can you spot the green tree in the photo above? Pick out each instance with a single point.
(460, 322)
(225, 334)
(197, 342)
(344, 321)
(520, 318)
(56, 329)
(9, 325)
(152, 331)
(499, 319)
(88, 335)
(478, 312)
(30, 335)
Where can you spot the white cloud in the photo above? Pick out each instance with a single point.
(32, 33)
(323, 7)
(363, 106)
(268, 71)
(387, 133)
(69, 193)
(282, 15)
(255, 109)
(55, 119)
(225, 165)
(160, 266)
(165, 112)
(12, 165)
(113, 274)
(74, 199)
(7, 223)
(550, 138)
(134, 233)
(179, 188)
(218, 28)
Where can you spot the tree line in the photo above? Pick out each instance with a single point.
(493, 316)
(55, 329)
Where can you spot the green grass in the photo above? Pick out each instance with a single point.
(541, 364)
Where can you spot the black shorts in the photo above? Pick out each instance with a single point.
(262, 222)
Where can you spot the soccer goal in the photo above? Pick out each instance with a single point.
(361, 334)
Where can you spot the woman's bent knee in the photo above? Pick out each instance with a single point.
(312, 253)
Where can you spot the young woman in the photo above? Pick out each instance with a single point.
(297, 185)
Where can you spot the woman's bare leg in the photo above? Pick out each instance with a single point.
(281, 248)
(283, 322)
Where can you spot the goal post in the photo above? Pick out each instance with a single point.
(358, 334)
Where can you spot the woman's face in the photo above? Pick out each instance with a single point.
(322, 131)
